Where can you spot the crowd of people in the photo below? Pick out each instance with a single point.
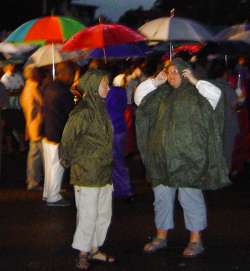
(179, 116)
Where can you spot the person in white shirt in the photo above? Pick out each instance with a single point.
(13, 117)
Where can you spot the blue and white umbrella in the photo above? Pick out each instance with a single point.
(175, 29)
(238, 32)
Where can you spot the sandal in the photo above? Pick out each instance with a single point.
(82, 262)
(155, 245)
(193, 249)
(99, 256)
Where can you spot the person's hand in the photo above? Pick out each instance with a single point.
(187, 74)
(160, 78)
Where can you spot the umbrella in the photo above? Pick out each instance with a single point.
(45, 55)
(235, 39)
(139, 49)
(175, 29)
(8, 48)
(48, 29)
(101, 35)
(242, 37)
(229, 32)
(190, 48)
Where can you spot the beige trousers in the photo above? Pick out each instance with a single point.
(94, 212)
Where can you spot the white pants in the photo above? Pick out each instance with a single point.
(53, 172)
(94, 211)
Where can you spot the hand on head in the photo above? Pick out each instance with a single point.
(188, 74)
(160, 78)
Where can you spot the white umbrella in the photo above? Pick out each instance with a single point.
(175, 29)
(8, 48)
(243, 37)
(51, 54)
(229, 32)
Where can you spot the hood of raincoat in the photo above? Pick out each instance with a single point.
(90, 82)
(181, 65)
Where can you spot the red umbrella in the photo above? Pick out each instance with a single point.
(101, 35)
(190, 48)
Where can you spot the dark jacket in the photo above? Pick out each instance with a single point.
(231, 125)
(86, 145)
(185, 146)
(58, 102)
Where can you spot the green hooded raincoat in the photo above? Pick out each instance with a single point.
(86, 145)
(180, 138)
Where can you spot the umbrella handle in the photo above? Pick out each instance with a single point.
(53, 62)
(104, 54)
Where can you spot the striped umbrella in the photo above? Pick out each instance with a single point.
(46, 30)
(49, 29)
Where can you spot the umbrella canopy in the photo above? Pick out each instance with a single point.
(46, 54)
(231, 31)
(175, 29)
(48, 29)
(236, 39)
(139, 49)
(101, 35)
(15, 49)
(242, 37)
(190, 48)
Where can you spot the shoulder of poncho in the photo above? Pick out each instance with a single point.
(82, 112)
(156, 95)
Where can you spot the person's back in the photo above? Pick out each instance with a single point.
(58, 102)
(218, 74)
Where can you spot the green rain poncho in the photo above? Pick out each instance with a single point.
(180, 138)
(86, 145)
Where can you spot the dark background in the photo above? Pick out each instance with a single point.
(211, 12)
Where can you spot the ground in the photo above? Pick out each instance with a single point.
(34, 237)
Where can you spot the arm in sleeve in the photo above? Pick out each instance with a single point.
(143, 90)
(70, 134)
(209, 91)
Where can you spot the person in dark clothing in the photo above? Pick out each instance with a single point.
(58, 102)
(3, 103)
(218, 73)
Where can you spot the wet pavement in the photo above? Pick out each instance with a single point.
(34, 237)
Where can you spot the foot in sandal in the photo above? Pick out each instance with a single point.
(99, 256)
(82, 262)
(193, 249)
(155, 245)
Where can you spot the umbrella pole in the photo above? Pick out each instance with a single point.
(105, 56)
(53, 62)
(170, 50)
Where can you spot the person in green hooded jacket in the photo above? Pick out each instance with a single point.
(86, 147)
(179, 132)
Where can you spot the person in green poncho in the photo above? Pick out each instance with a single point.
(86, 147)
(179, 132)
